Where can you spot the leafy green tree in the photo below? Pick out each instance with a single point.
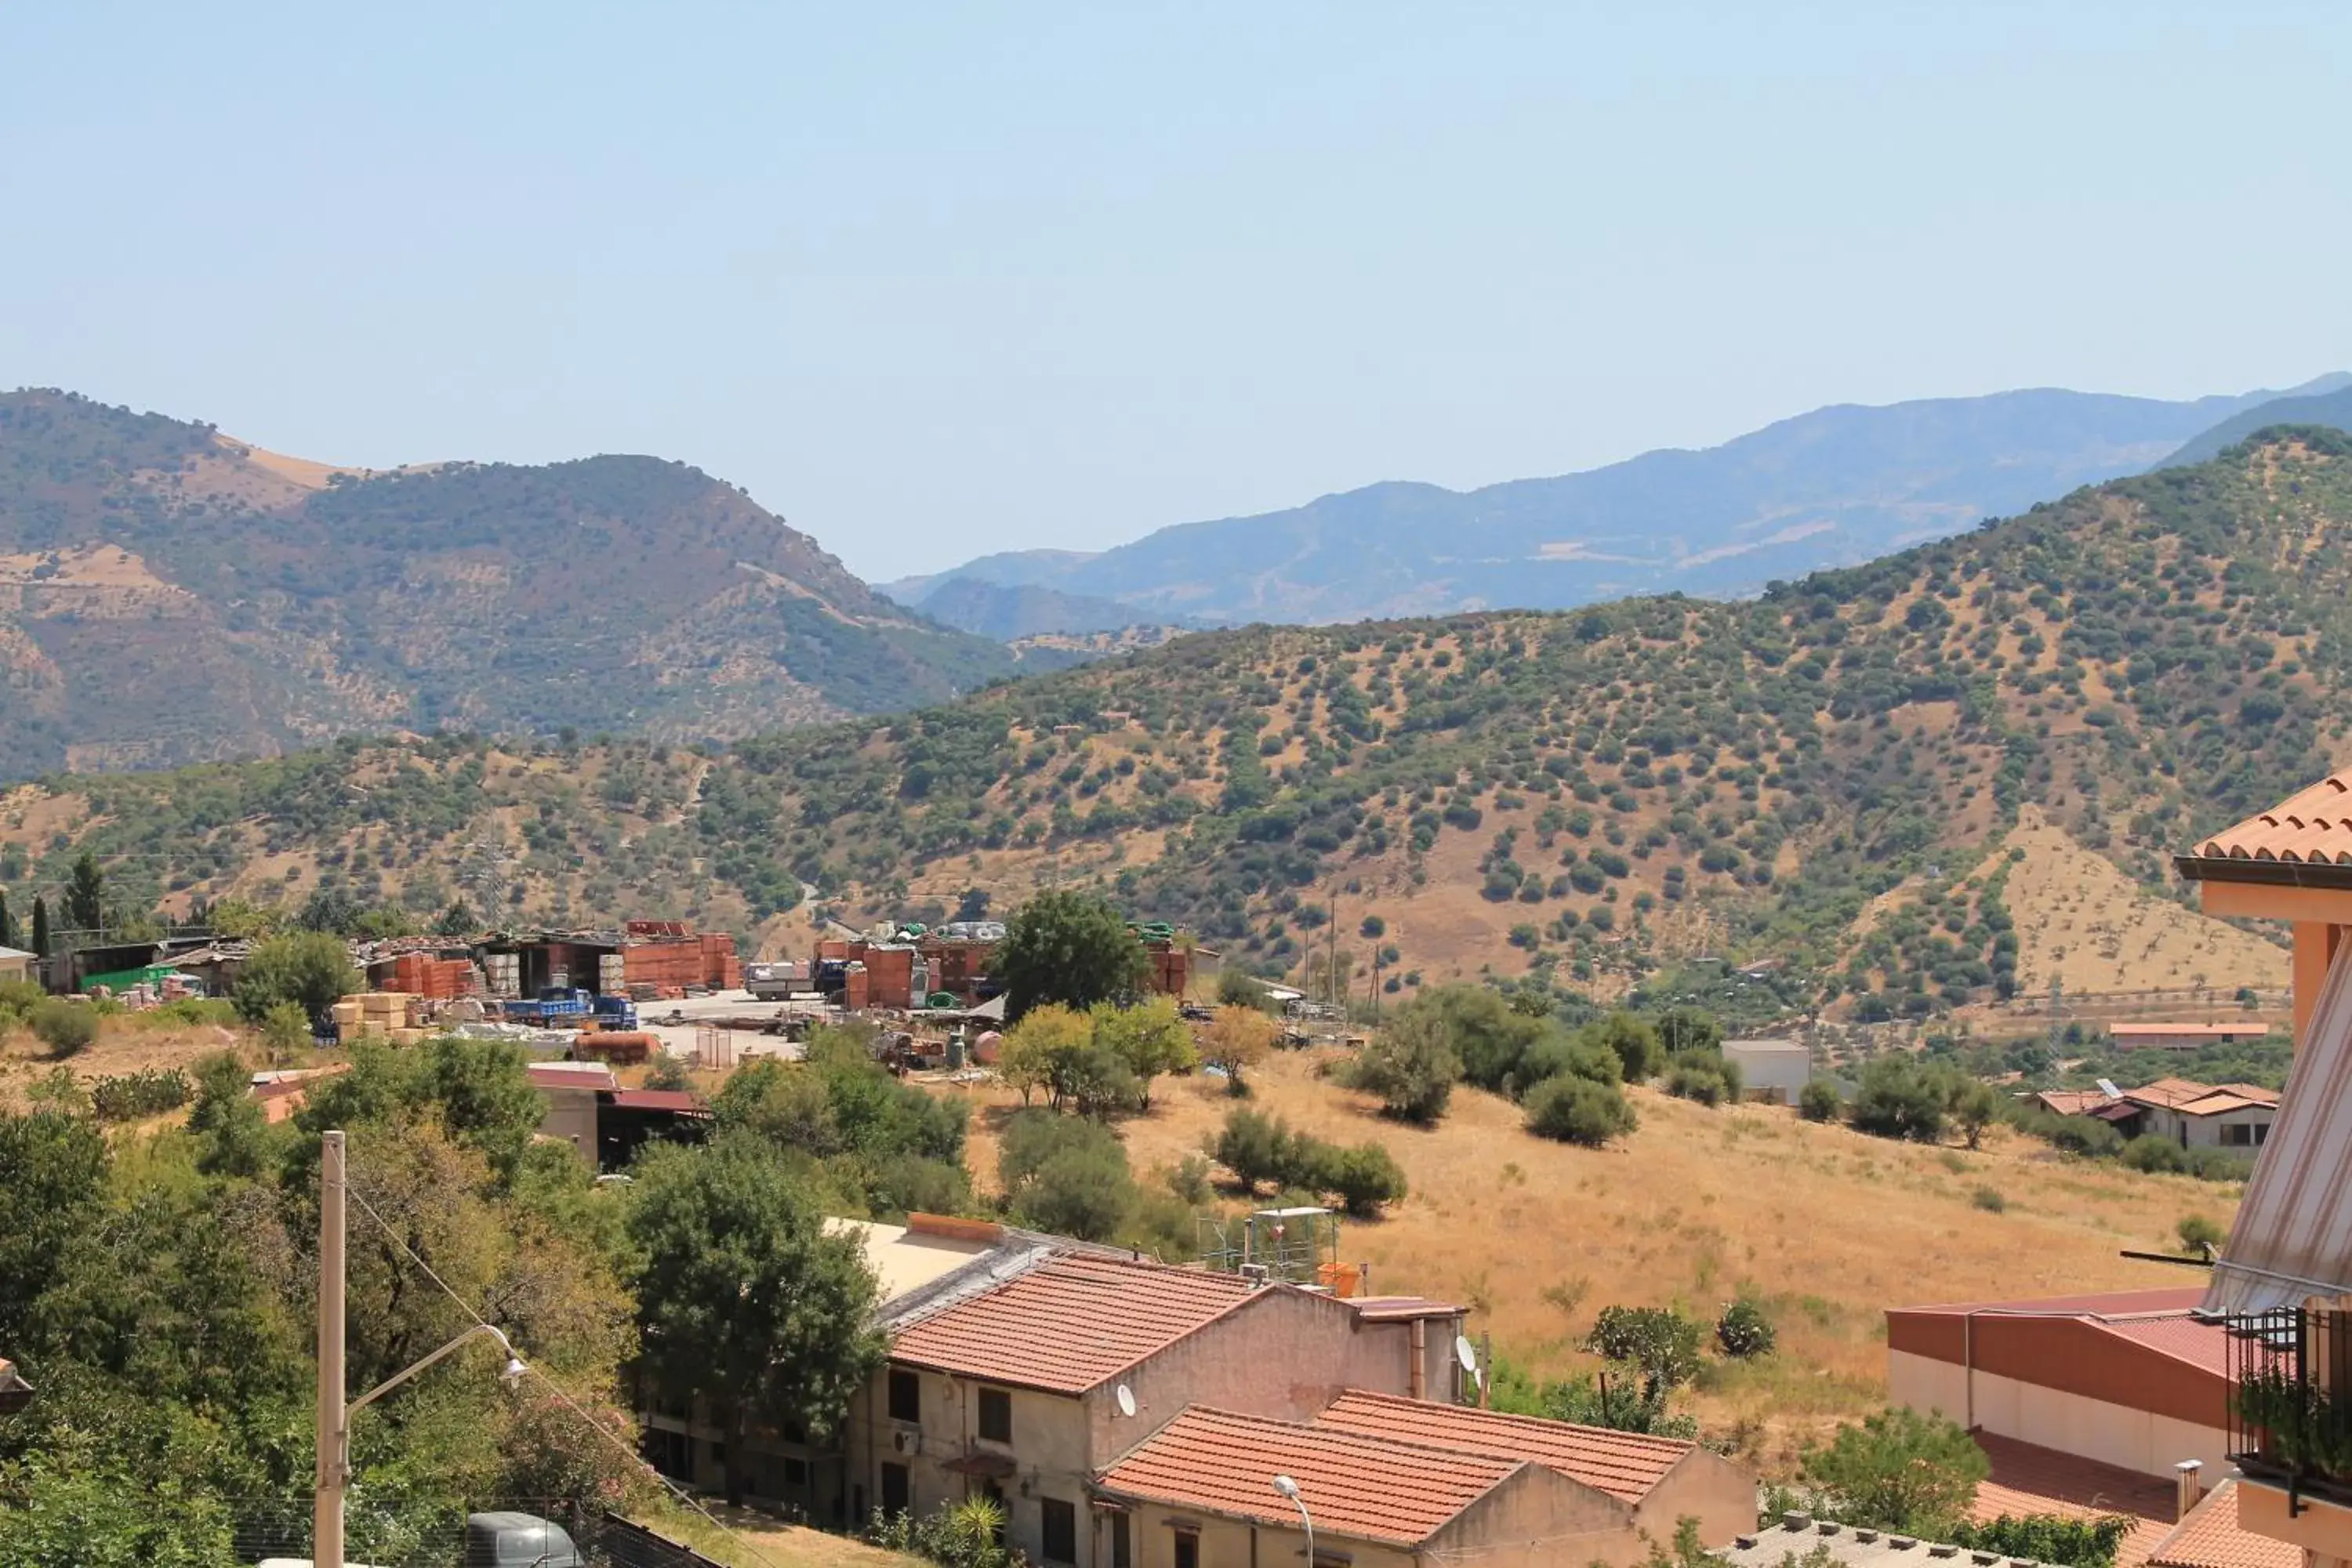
(1066, 1177)
(1635, 1044)
(1683, 1029)
(1239, 1038)
(309, 969)
(85, 894)
(53, 1170)
(1902, 1098)
(1973, 1107)
(285, 1030)
(2048, 1538)
(1069, 947)
(1043, 1049)
(1657, 1342)
(1149, 1037)
(1411, 1066)
(234, 1137)
(456, 919)
(1899, 1471)
(1578, 1111)
(744, 1299)
(1366, 1178)
(1819, 1100)
(1744, 1330)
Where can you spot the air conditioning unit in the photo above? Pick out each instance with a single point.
(908, 1440)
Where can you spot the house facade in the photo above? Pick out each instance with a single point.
(1026, 1392)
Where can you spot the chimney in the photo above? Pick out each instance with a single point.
(2189, 1485)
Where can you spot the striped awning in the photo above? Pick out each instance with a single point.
(2293, 1238)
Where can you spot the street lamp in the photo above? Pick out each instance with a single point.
(1289, 1488)
(334, 1432)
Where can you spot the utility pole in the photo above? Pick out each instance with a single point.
(327, 1506)
(1332, 985)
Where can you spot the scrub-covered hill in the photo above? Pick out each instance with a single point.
(1825, 778)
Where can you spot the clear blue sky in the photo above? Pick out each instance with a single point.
(931, 279)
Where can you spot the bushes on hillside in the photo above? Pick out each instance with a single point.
(67, 1028)
(1411, 1066)
(1744, 1331)
(1704, 1075)
(1578, 1111)
(1258, 1149)
(133, 1096)
(1065, 1175)
(1819, 1100)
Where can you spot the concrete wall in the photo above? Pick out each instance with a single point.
(1706, 1487)
(2113, 1434)
(1284, 1353)
(1772, 1065)
(1537, 1518)
(571, 1116)
(1234, 1544)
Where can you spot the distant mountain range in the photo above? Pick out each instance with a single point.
(1836, 487)
(2331, 409)
(168, 595)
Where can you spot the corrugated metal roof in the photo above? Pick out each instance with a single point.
(2210, 1537)
(2311, 825)
(2293, 1235)
(1625, 1464)
(1364, 1488)
(1071, 1322)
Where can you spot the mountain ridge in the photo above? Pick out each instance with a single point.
(1832, 487)
(1835, 776)
(615, 591)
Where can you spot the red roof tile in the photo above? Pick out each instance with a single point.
(2210, 1537)
(1624, 1464)
(2200, 1341)
(677, 1101)
(1071, 1322)
(1365, 1488)
(2027, 1479)
(2311, 825)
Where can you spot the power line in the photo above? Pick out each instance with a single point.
(531, 1369)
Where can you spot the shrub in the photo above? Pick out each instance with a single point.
(2198, 1234)
(1659, 1340)
(1989, 1200)
(2048, 1538)
(1256, 1148)
(1744, 1331)
(1188, 1180)
(1578, 1111)
(1819, 1100)
(133, 1096)
(1411, 1066)
(67, 1028)
(310, 969)
(1639, 1055)
(1364, 1177)
(1900, 1098)
(1065, 1175)
(1900, 1470)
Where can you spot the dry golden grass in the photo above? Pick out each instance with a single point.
(2081, 921)
(1828, 1227)
(125, 1044)
(753, 1540)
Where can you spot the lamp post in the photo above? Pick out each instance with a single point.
(335, 1416)
(1289, 1488)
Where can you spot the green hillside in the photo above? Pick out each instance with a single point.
(2138, 661)
(166, 595)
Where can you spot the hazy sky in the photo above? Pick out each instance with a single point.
(931, 279)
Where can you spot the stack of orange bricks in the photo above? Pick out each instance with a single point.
(671, 964)
(437, 979)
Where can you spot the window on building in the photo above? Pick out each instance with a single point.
(1122, 1550)
(996, 1415)
(1060, 1541)
(906, 1396)
(1188, 1548)
(895, 1489)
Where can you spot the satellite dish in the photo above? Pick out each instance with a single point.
(2108, 1087)
(1466, 1354)
(1126, 1397)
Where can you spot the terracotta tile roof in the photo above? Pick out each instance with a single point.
(2311, 825)
(2169, 1092)
(2073, 1101)
(1071, 1322)
(1623, 1463)
(1366, 1488)
(2222, 1102)
(2210, 1537)
(2028, 1479)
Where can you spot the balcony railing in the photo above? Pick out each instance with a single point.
(2290, 1401)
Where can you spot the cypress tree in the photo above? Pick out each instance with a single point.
(41, 926)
